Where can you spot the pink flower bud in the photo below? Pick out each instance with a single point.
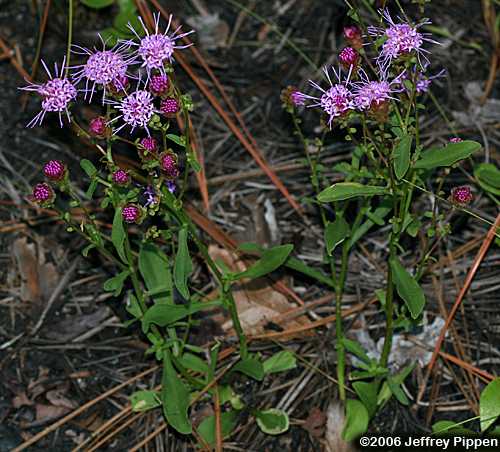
(456, 140)
(159, 84)
(98, 126)
(461, 195)
(168, 163)
(169, 106)
(131, 213)
(348, 57)
(54, 170)
(121, 177)
(43, 194)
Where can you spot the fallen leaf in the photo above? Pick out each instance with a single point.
(21, 399)
(49, 412)
(315, 422)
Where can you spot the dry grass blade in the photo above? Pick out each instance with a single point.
(468, 280)
(80, 410)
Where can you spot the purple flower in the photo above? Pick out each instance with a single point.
(400, 39)
(137, 109)
(150, 195)
(373, 93)
(297, 98)
(423, 82)
(335, 101)
(168, 163)
(455, 140)
(56, 94)
(97, 126)
(54, 170)
(158, 48)
(170, 186)
(104, 67)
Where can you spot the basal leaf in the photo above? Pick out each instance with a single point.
(367, 393)
(206, 429)
(447, 156)
(356, 421)
(407, 288)
(144, 400)
(280, 362)
(272, 421)
(489, 404)
(251, 367)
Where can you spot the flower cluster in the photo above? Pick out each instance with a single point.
(401, 45)
(133, 79)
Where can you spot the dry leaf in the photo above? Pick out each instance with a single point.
(21, 399)
(49, 412)
(315, 422)
(257, 302)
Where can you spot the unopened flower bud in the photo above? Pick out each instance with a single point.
(159, 84)
(97, 126)
(54, 170)
(168, 164)
(461, 195)
(43, 194)
(353, 36)
(348, 57)
(169, 106)
(121, 177)
(131, 213)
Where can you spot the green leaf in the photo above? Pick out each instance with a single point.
(97, 4)
(133, 307)
(144, 400)
(367, 392)
(206, 429)
(270, 260)
(88, 167)
(118, 235)
(401, 155)
(356, 421)
(408, 289)
(348, 190)
(376, 217)
(356, 349)
(181, 141)
(251, 367)
(194, 362)
(488, 177)
(280, 362)
(183, 265)
(272, 421)
(489, 404)
(295, 264)
(174, 397)
(447, 156)
(155, 270)
(396, 390)
(336, 233)
(166, 314)
(115, 284)
(92, 188)
(450, 428)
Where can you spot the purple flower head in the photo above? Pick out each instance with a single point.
(56, 94)
(348, 57)
(461, 195)
(168, 163)
(150, 195)
(298, 99)
(157, 48)
(97, 126)
(131, 213)
(423, 82)
(121, 177)
(150, 144)
(136, 109)
(43, 194)
(103, 67)
(352, 32)
(400, 39)
(373, 93)
(335, 101)
(159, 84)
(54, 170)
(455, 140)
(171, 187)
(169, 106)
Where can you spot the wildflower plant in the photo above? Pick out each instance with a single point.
(152, 237)
(376, 106)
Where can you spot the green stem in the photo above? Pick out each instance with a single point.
(70, 35)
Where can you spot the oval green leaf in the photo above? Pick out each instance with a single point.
(347, 190)
(408, 289)
(183, 265)
(447, 156)
(272, 421)
(336, 233)
(97, 4)
(115, 284)
(488, 177)
(118, 235)
(206, 429)
(144, 400)
(356, 421)
(280, 362)
(251, 367)
(489, 404)
(155, 270)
